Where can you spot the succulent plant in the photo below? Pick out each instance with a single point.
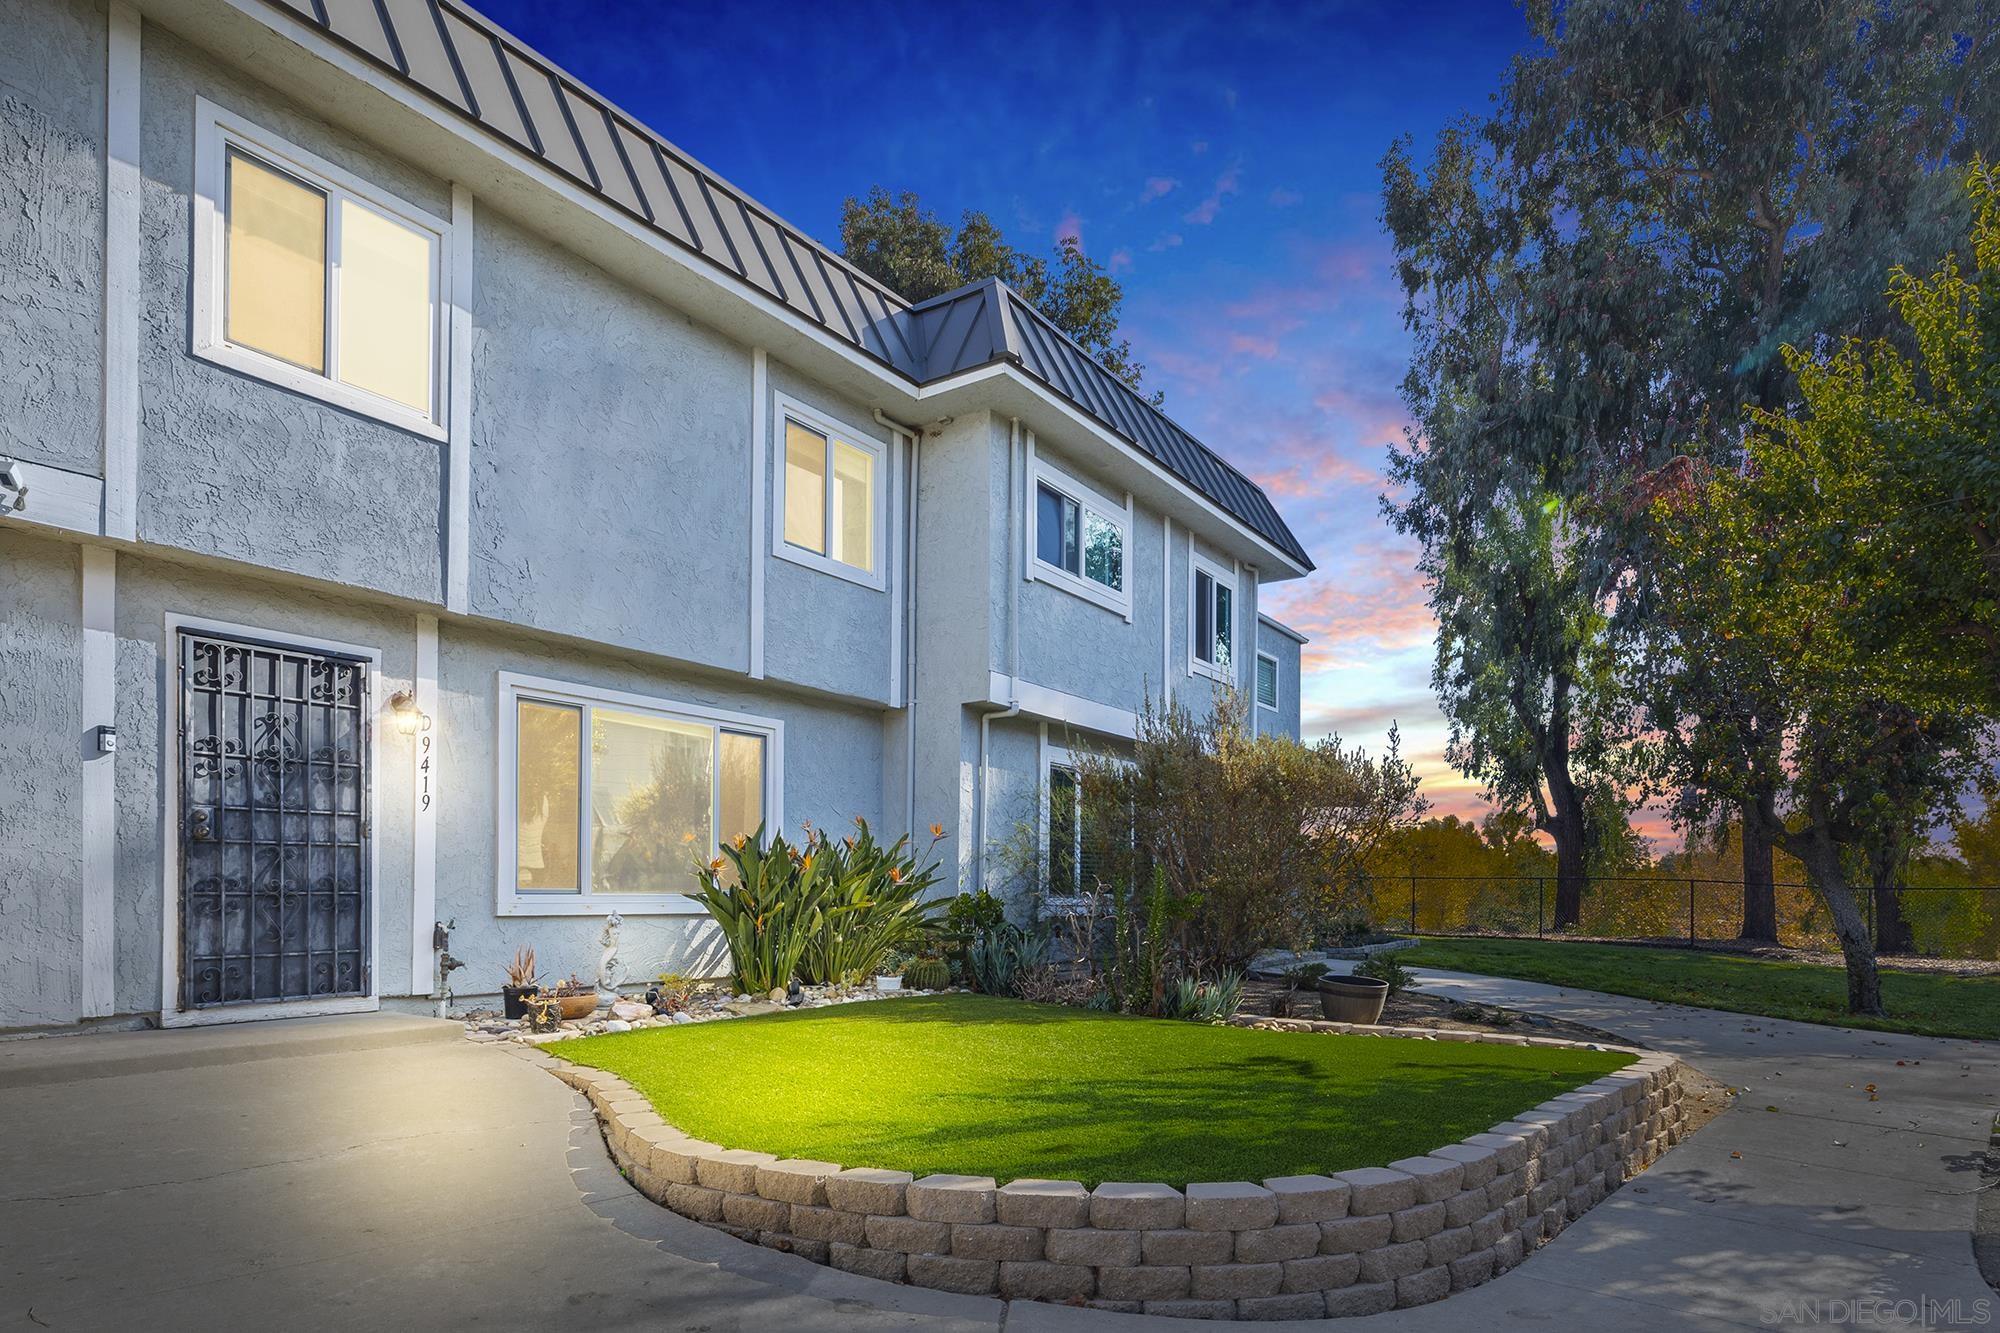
(927, 974)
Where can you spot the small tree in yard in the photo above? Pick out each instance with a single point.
(1843, 588)
(1235, 843)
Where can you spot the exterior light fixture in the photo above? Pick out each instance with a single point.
(410, 719)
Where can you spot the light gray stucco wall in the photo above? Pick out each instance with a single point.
(1079, 647)
(52, 63)
(611, 458)
(230, 465)
(822, 630)
(1284, 720)
(832, 772)
(41, 753)
(148, 711)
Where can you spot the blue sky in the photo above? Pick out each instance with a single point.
(1221, 159)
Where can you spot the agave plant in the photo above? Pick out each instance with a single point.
(769, 911)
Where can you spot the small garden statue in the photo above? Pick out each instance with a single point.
(609, 969)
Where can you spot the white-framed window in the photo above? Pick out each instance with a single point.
(609, 801)
(832, 492)
(1267, 681)
(1072, 851)
(1080, 539)
(1211, 619)
(314, 280)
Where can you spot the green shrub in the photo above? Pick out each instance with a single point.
(999, 956)
(1199, 1001)
(768, 910)
(875, 901)
(1388, 969)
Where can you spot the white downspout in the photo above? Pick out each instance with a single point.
(1013, 708)
(909, 646)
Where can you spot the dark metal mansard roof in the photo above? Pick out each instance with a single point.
(457, 57)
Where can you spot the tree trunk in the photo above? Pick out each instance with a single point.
(1760, 893)
(1892, 929)
(1566, 826)
(1822, 861)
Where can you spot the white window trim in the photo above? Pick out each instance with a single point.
(514, 901)
(1053, 757)
(171, 1014)
(217, 130)
(1200, 564)
(1089, 500)
(878, 493)
(1277, 684)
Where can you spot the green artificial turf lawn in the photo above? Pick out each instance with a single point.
(979, 1086)
(1928, 1004)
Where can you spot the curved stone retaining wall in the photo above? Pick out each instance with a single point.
(1294, 1247)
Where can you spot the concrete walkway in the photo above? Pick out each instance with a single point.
(383, 1173)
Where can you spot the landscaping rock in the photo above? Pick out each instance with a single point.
(1437, 1178)
(1235, 1205)
(945, 1198)
(969, 1277)
(1093, 1246)
(1043, 1203)
(867, 1189)
(1309, 1198)
(1224, 1282)
(1296, 1305)
(1186, 1247)
(732, 1169)
(888, 1265)
(1375, 1189)
(795, 1180)
(908, 1234)
(994, 1241)
(1132, 1206)
(1039, 1280)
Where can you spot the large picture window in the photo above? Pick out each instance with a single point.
(830, 496)
(314, 280)
(611, 802)
(1078, 539)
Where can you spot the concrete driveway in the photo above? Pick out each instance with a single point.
(382, 1173)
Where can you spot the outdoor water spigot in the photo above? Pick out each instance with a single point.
(447, 964)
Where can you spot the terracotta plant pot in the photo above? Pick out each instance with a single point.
(578, 1006)
(1352, 999)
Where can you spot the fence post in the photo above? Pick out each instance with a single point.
(1538, 906)
(1413, 904)
(1691, 909)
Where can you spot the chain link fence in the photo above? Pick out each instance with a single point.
(1957, 923)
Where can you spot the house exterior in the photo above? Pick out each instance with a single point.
(433, 500)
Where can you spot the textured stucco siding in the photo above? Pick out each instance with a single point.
(611, 458)
(1071, 644)
(822, 630)
(1284, 720)
(41, 754)
(148, 711)
(52, 67)
(832, 772)
(235, 467)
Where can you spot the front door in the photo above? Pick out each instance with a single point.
(274, 795)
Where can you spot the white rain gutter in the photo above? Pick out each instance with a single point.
(909, 646)
(1013, 708)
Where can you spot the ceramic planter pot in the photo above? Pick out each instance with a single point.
(885, 984)
(1352, 999)
(577, 1006)
(514, 1000)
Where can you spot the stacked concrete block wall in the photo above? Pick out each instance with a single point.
(1293, 1247)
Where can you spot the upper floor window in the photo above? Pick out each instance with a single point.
(314, 280)
(1267, 681)
(609, 801)
(1213, 620)
(830, 497)
(1078, 539)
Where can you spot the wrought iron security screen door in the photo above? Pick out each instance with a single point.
(274, 792)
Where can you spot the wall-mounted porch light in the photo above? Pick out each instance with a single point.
(410, 719)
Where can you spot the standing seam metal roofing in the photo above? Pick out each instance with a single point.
(459, 58)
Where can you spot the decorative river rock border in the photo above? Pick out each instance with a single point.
(1293, 1247)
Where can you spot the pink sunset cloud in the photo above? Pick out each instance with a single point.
(1158, 187)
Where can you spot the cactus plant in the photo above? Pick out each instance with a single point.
(927, 974)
